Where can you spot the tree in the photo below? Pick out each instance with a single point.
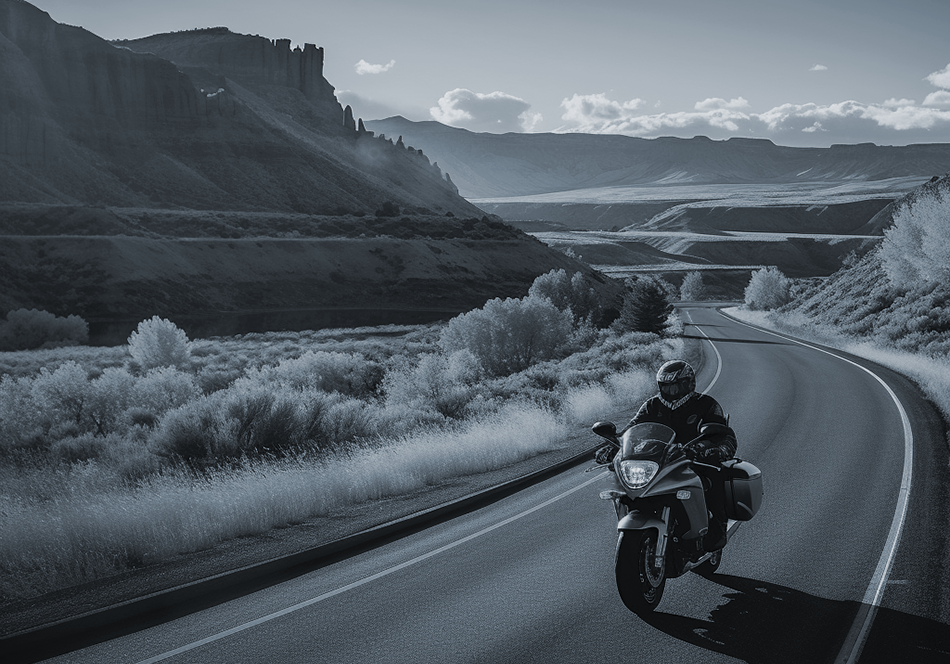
(158, 342)
(508, 336)
(26, 329)
(646, 306)
(916, 248)
(768, 289)
(564, 292)
(693, 287)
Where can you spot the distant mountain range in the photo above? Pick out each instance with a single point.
(203, 119)
(493, 166)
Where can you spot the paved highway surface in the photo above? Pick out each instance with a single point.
(820, 575)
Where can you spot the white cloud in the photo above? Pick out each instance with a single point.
(717, 103)
(495, 112)
(940, 79)
(819, 68)
(938, 98)
(597, 114)
(585, 108)
(848, 121)
(893, 102)
(362, 67)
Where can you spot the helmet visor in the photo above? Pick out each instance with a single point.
(675, 390)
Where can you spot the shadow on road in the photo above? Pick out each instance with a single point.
(765, 623)
(736, 341)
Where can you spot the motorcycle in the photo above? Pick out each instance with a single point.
(659, 495)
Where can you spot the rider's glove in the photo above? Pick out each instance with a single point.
(712, 455)
(605, 454)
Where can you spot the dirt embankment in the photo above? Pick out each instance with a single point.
(445, 265)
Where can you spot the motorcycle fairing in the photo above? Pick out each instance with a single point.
(671, 483)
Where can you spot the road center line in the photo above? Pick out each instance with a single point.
(718, 358)
(858, 634)
(368, 579)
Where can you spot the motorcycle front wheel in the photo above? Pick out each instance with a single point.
(639, 582)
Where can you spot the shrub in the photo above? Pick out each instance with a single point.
(646, 306)
(26, 329)
(507, 336)
(693, 289)
(345, 373)
(157, 342)
(435, 382)
(916, 247)
(768, 289)
(60, 395)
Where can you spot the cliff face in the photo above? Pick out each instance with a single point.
(60, 81)
(251, 61)
(205, 119)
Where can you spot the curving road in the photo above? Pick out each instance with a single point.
(818, 576)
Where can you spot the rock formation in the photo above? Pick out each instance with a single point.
(201, 119)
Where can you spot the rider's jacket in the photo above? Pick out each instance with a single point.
(685, 417)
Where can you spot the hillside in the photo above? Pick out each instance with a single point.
(228, 278)
(241, 123)
(859, 299)
(214, 178)
(493, 166)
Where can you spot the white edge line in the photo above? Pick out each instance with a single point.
(368, 579)
(857, 636)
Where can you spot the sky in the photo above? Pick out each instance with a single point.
(800, 73)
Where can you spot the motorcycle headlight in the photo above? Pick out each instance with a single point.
(637, 474)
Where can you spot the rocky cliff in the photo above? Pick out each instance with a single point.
(204, 119)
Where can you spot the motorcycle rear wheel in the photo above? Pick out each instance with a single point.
(639, 583)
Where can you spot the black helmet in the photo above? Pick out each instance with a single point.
(675, 379)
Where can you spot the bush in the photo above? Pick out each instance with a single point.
(693, 289)
(26, 329)
(435, 383)
(507, 336)
(916, 247)
(157, 342)
(646, 306)
(345, 373)
(768, 289)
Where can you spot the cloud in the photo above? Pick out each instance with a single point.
(789, 124)
(898, 103)
(819, 68)
(938, 98)
(586, 108)
(362, 67)
(596, 114)
(717, 103)
(940, 79)
(495, 112)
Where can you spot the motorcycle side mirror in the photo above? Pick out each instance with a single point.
(606, 430)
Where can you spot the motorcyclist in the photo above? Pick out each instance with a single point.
(685, 411)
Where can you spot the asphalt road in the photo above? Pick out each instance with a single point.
(530, 578)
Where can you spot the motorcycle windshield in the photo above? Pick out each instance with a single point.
(648, 441)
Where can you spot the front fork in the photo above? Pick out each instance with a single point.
(662, 539)
(663, 536)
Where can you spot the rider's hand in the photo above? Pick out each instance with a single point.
(712, 455)
(605, 454)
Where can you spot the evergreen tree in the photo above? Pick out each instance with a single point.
(646, 306)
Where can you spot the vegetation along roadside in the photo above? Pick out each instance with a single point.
(115, 458)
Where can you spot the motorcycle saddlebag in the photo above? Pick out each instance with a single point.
(743, 484)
